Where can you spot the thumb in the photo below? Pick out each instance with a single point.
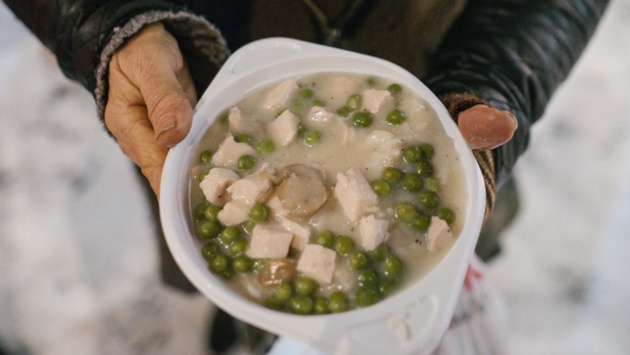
(486, 128)
(157, 68)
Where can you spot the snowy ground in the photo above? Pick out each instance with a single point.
(78, 267)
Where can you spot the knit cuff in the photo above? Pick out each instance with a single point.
(193, 33)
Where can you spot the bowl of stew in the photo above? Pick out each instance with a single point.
(325, 196)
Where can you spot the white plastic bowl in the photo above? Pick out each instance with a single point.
(411, 321)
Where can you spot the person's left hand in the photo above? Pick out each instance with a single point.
(151, 99)
(485, 127)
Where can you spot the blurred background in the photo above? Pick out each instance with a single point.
(78, 263)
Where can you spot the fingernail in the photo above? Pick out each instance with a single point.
(170, 124)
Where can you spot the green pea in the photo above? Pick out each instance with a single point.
(344, 111)
(412, 154)
(421, 222)
(259, 213)
(259, 264)
(325, 238)
(306, 93)
(411, 182)
(321, 305)
(381, 187)
(357, 260)
(212, 213)
(319, 103)
(238, 247)
(429, 199)
(199, 212)
(394, 89)
(284, 291)
(446, 214)
(245, 162)
(427, 150)
(224, 117)
(366, 296)
(301, 304)
(388, 285)
(219, 263)
(432, 184)
(229, 234)
(249, 226)
(405, 212)
(372, 81)
(205, 157)
(274, 302)
(338, 302)
(242, 138)
(265, 146)
(302, 130)
(354, 102)
(392, 266)
(391, 174)
(228, 273)
(362, 119)
(424, 168)
(395, 117)
(304, 286)
(367, 277)
(209, 250)
(312, 137)
(242, 264)
(203, 174)
(297, 107)
(210, 229)
(344, 245)
(381, 252)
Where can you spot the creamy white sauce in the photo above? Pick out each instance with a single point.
(342, 145)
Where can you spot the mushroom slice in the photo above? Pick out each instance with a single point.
(303, 191)
(276, 271)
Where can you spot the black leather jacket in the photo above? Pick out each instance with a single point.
(512, 54)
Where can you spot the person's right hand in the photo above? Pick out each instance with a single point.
(151, 99)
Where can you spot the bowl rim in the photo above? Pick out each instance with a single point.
(424, 307)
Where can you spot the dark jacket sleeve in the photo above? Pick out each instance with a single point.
(513, 54)
(84, 34)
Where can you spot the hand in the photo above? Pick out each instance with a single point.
(151, 99)
(486, 128)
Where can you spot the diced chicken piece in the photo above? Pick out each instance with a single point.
(251, 189)
(320, 115)
(215, 184)
(385, 149)
(303, 191)
(269, 242)
(343, 86)
(235, 120)
(355, 195)
(318, 263)
(233, 213)
(276, 271)
(230, 151)
(301, 233)
(375, 100)
(413, 107)
(373, 231)
(281, 96)
(439, 234)
(284, 128)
